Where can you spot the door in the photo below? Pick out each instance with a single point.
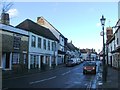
(7, 63)
(111, 61)
(41, 58)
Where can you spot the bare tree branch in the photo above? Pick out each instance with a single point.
(6, 6)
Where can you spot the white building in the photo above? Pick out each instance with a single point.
(114, 48)
(43, 47)
(72, 51)
(62, 40)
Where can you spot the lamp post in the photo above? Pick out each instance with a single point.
(104, 65)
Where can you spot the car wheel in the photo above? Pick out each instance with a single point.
(94, 72)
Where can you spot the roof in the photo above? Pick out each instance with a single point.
(52, 26)
(33, 27)
(71, 46)
(117, 25)
(111, 39)
(83, 51)
(11, 28)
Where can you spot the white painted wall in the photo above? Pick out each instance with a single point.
(56, 33)
(93, 55)
(40, 50)
(84, 55)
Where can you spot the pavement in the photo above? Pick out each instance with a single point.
(112, 82)
(14, 74)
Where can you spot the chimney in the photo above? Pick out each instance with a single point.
(109, 32)
(40, 21)
(5, 18)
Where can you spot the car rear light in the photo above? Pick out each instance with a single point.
(85, 68)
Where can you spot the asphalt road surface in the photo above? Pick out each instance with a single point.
(64, 77)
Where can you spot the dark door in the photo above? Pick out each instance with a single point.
(111, 61)
(41, 58)
(7, 60)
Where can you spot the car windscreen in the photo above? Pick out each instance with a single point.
(89, 64)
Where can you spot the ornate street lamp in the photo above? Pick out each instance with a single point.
(104, 74)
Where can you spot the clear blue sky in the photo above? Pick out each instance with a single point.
(78, 21)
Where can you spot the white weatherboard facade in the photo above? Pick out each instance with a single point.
(38, 55)
(57, 35)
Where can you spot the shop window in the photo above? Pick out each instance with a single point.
(15, 59)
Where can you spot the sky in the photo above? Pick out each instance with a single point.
(77, 21)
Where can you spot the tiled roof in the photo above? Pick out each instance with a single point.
(83, 51)
(33, 27)
(71, 46)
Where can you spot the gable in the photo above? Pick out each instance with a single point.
(45, 23)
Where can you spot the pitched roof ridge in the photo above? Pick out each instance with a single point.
(51, 25)
(27, 23)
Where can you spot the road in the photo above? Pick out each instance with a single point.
(64, 77)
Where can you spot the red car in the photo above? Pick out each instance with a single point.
(89, 67)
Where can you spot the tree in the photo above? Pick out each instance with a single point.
(5, 7)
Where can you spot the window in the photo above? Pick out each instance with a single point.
(39, 42)
(52, 46)
(24, 58)
(111, 48)
(31, 59)
(44, 44)
(15, 58)
(33, 41)
(55, 46)
(48, 45)
(117, 41)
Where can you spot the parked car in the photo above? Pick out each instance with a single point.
(74, 60)
(81, 60)
(70, 62)
(89, 67)
(78, 61)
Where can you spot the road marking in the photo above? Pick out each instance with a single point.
(42, 80)
(66, 73)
